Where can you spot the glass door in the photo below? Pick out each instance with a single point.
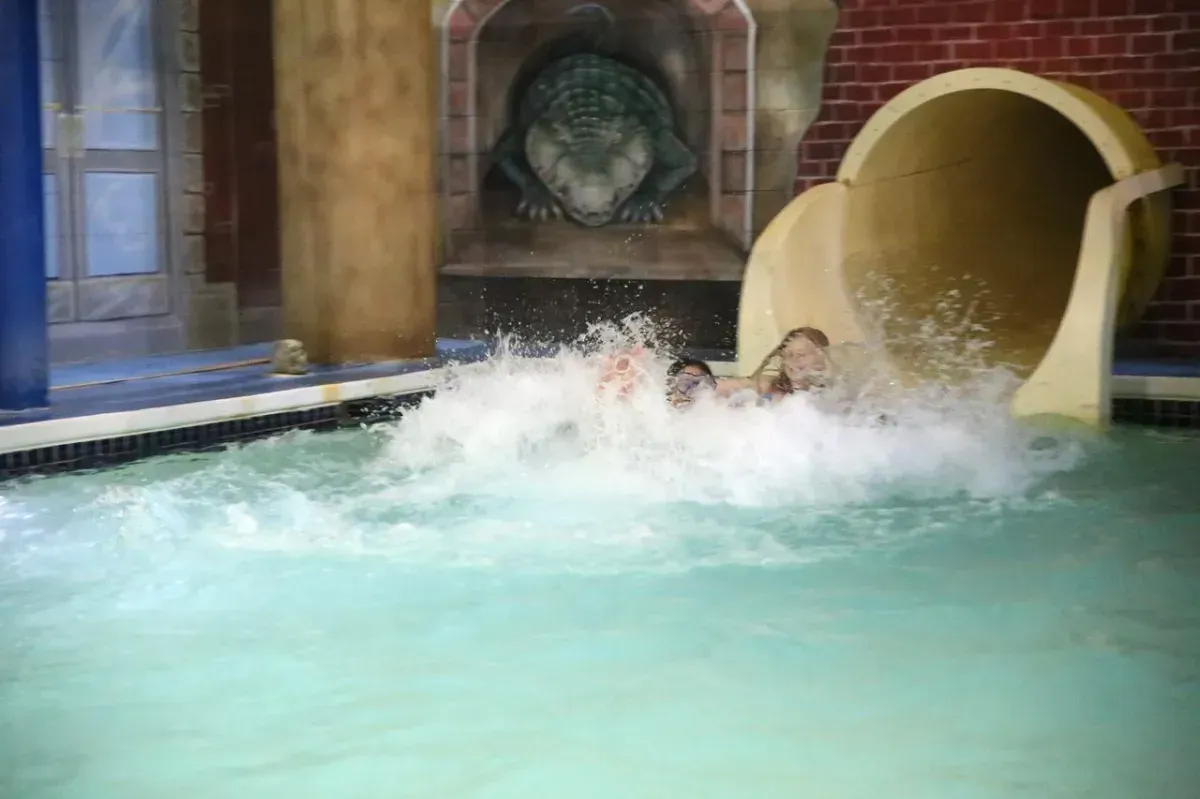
(56, 173)
(104, 178)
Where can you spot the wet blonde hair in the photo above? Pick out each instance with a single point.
(780, 381)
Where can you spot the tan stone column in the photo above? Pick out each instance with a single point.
(355, 116)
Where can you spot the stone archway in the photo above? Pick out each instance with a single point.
(468, 121)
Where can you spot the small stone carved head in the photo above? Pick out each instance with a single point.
(289, 358)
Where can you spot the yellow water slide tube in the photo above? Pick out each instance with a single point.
(1029, 214)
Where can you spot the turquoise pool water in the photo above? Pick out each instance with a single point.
(520, 591)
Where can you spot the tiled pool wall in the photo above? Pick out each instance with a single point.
(117, 450)
(1156, 412)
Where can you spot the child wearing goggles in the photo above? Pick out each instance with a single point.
(687, 378)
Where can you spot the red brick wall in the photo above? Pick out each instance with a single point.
(1143, 55)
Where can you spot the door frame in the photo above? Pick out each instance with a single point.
(161, 324)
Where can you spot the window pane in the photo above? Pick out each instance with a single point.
(49, 115)
(50, 212)
(119, 86)
(121, 226)
(49, 55)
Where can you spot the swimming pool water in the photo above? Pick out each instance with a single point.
(513, 598)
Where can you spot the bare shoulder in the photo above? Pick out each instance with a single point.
(728, 386)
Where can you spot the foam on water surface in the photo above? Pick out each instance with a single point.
(524, 588)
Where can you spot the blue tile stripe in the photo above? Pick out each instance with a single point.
(1145, 368)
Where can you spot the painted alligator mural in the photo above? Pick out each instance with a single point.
(594, 139)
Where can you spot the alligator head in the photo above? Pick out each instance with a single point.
(591, 165)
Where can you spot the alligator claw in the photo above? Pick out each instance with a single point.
(538, 206)
(641, 210)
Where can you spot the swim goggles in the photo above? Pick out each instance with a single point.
(686, 383)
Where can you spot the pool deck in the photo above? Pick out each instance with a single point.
(139, 395)
(128, 397)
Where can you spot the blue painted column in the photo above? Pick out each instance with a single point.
(24, 346)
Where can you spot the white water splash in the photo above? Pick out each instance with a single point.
(539, 428)
(520, 464)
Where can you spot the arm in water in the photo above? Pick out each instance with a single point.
(621, 371)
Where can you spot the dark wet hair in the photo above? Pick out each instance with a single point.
(684, 363)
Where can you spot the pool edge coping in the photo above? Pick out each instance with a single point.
(45, 433)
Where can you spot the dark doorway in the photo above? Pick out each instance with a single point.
(242, 209)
